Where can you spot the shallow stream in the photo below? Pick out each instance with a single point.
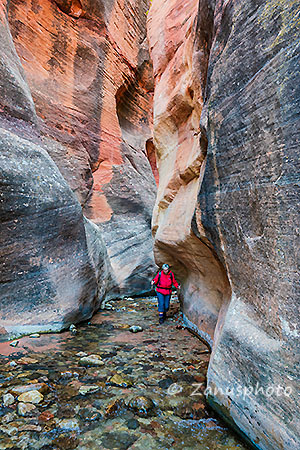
(141, 390)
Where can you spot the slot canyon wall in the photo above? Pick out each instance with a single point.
(226, 217)
(77, 159)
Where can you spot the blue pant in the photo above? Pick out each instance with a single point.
(163, 302)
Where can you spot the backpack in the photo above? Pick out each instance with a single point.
(159, 275)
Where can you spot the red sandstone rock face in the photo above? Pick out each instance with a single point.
(88, 69)
(75, 84)
(180, 61)
(227, 210)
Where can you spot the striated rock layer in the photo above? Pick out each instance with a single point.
(180, 63)
(227, 211)
(77, 159)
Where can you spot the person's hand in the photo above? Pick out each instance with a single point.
(152, 283)
(179, 286)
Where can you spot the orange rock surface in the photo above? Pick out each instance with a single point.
(226, 104)
(180, 61)
(88, 69)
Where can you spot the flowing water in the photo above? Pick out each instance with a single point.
(141, 390)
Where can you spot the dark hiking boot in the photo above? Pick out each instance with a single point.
(161, 319)
(165, 315)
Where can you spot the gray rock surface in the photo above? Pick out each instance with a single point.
(57, 266)
(249, 202)
(235, 244)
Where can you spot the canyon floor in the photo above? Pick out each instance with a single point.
(140, 390)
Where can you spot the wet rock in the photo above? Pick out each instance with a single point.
(84, 390)
(89, 414)
(114, 407)
(133, 424)
(120, 380)
(69, 424)
(14, 343)
(27, 360)
(64, 443)
(73, 329)
(68, 392)
(35, 336)
(91, 360)
(25, 409)
(13, 364)
(8, 399)
(66, 375)
(31, 397)
(178, 370)
(165, 383)
(123, 326)
(40, 387)
(81, 354)
(66, 412)
(120, 440)
(30, 427)
(11, 429)
(135, 328)
(190, 410)
(10, 417)
(45, 417)
(141, 405)
(108, 306)
(146, 442)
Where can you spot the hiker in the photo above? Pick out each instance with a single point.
(164, 281)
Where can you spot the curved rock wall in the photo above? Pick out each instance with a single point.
(84, 61)
(75, 95)
(180, 60)
(230, 228)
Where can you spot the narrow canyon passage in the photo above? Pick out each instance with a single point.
(141, 390)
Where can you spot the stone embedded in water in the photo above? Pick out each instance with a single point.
(123, 326)
(27, 360)
(69, 424)
(188, 410)
(84, 390)
(14, 343)
(25, 409)
(8, 399)
(132, 424)
(73, 329)
(165, 383)
(148, 442)
(90, 414)
(118, 440)
(119, 380)
(91, 360)
(66, 411)
(45, 416)
(114, 407)
(141, 405)
(13, 364)
(30, 427)
(135, 328)
(108, 306)
(43, 388)
(31, 397)
(81, 354)
(179, 370)
(10, 417)
(63, 443)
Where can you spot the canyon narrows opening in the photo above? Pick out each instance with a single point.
(135, 133)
